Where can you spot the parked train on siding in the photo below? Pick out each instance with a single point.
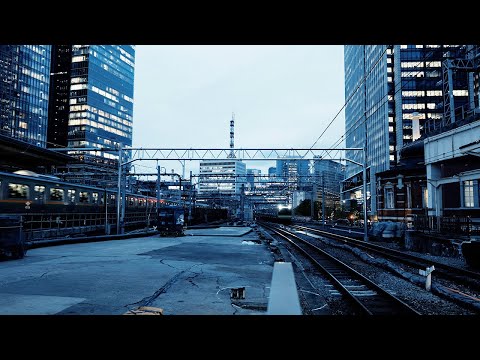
(27, 192)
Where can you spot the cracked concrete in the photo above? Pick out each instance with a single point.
(182, 275)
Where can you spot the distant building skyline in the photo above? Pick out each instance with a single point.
(221, 177)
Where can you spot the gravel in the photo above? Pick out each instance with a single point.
(423, 301)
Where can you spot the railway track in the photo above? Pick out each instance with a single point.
(365, 296)
(465, 277)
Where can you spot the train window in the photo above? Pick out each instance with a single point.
(83, 197)
(94, 198)
(102, 198)
(130, 201)
(18, 191)
(71, 196)
(56, 194)
(39, 192)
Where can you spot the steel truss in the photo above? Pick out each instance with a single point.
(222, 154)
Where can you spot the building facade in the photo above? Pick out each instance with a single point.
(401, 98)
(24, 91)
(97, 109)
(294, 172)
(224, 177)
(252, 179)
(330, 173)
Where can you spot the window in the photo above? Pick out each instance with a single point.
(94, 198)
(56, 194)
(71, 196)
(389, 199)
(424, 197)
(130, 201)
(18, 191)
(83, 197)
(39, 192)
(409, 196)
(468, 193)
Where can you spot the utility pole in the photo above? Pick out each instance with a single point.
(323, 199)
(158, 186)
(190, 201)
(119, 193)
(365, 225)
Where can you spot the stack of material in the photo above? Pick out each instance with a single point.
(145, 310)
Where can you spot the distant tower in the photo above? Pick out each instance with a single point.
(232, 137)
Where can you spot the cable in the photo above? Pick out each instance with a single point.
(402, 84)
(344, 105)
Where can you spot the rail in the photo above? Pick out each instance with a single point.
(366, 296)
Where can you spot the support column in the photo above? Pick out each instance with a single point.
(119, 193)
(476, 199)
(462, 193)
(434, 201)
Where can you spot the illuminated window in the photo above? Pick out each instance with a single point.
(424, 197)
(468, 193)
(94, 198)
(460, 92)
(71, 196)
(389, 199)
(56, 194)
(18, 191)
(39, 192)
(83, 197)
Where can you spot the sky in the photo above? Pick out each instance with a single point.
(282, 96)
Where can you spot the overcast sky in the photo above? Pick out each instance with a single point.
(282, 96)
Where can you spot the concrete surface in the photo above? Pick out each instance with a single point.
(183, 275)
(283, 292)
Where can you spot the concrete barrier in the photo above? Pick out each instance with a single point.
(283, 298)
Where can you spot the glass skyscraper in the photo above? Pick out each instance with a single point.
(24, 89)
(97, 109)
(399, 100)
(330, 172)
(296, 172)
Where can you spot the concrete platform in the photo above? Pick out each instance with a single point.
(221, 231)
(183, 275)
(283, 293)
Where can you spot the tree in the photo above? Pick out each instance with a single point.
(304, 208)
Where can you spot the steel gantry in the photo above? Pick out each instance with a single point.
(240, 154)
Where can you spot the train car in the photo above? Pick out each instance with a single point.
(27, 192)
(170, 220)
(284, 214)
(281, 214)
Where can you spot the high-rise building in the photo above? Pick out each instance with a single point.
(272, 172)
(221, 177)
(295, 172)
(400, 99)
(24, 87)
(330, 172)
(251, 174)
(92, 101)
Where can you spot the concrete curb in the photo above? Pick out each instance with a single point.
(85, 239)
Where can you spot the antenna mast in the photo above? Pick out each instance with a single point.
(232, 137)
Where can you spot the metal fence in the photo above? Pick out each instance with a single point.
(455, 225)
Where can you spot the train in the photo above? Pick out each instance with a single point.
(25, 191)
(171, 220)
(281, 214)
